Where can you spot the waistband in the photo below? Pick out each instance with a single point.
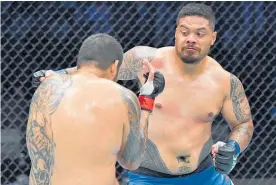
(206, 163)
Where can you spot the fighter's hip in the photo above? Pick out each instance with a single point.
(206, 177)
(205, 174)
(144, 170)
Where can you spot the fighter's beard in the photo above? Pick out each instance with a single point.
(190, 60)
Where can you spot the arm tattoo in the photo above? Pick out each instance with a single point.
(240, 103)
(242, 134)
(39, 136)
(133, 150)
(133, 61)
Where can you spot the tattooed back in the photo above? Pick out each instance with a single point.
(75, 131)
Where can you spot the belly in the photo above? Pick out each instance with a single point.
(176, 144)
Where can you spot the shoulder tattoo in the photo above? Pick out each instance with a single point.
(39, 136)
(133, 61)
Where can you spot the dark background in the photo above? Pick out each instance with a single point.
(47, 35)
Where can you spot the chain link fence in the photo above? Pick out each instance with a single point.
(47, 35)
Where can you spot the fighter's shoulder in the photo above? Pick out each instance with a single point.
(104, 85)
(165, 51)
(55, 81)
(51, 90)
(163, 54)
(124, 93)
(217, 69)
(223, 76)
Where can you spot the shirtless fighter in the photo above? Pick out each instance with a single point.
(197, 90)
(81, 124)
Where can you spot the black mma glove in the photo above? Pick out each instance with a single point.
(226, 157)
(37, 75)
(150, 90)
(133, 85)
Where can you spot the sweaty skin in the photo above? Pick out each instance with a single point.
(75, 134)
(180, 127)
(179, 134)
(197, 90)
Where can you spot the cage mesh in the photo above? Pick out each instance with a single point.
(47, 35)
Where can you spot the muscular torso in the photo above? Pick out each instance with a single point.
(86, 132)
(180, 126)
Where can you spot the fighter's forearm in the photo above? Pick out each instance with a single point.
(144, 124)
(242, 134)
(71, 69)
(132, 63)
(132, 155)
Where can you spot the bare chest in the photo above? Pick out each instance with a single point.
(198, 100)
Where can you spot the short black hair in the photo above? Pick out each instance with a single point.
(198, 9)
(100, 49)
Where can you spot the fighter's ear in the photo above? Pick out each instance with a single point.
(114, 67)
(175, 31)
(214, 37)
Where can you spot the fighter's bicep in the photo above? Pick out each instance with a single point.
(132, 138)
(236, 108)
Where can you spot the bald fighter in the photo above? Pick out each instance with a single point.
(81, 124)
(179, 143)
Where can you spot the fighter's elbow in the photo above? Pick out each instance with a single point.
(251, 126)
(130, 165)
(245, 130)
